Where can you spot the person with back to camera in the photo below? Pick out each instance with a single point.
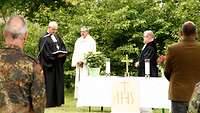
(182, 68)
(22, 88)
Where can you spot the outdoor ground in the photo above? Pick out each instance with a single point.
(70, 107)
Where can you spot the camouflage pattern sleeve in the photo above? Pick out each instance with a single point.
(194, 105)
(38, 89)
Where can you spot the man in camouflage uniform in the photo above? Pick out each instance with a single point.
(194, 105)
(22, 88)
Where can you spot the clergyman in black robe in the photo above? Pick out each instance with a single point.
(53, 65)
(149, 51)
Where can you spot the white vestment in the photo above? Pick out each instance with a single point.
(82, 47)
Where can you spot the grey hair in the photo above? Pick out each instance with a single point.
(149, 32)
(84, 28)
(16, 31)
(53, 24)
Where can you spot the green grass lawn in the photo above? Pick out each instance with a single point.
(70, 107)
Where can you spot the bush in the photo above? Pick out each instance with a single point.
(95, 59)
(69, 79)
(116, 25)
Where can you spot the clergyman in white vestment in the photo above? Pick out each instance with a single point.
(83, 45)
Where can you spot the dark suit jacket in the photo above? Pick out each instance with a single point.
(183, 69)
(149, 52)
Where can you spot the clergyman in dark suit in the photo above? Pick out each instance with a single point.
(149, 51)
(183, 68)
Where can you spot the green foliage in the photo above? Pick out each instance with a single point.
(1, 35)
(35, 33)
(69, 79)
(95, 59)
(116, 25)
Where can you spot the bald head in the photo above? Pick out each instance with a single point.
(15, 27)
(189, 29)
(15, 32)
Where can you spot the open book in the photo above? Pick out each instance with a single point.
(59, 52)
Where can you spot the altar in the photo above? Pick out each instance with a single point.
(97, 91)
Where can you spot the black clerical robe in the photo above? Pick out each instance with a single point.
(53, 68)
(148, 52)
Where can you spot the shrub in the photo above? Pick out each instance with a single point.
(95, 59)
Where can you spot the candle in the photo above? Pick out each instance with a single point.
(107, 65)
(147, 67)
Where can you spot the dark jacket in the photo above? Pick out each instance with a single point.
(149, 52)
(53, 67)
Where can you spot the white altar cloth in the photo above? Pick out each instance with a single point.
(97, 91)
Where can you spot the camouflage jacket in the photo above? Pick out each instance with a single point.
(22, 88)
(194, 105)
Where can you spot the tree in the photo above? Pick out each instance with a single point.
(116, 25)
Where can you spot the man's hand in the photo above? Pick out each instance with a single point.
(60, 55)
(137, 64)
(80, 64)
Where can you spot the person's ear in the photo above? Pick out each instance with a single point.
(195, 33)
(5, 33)
(25, 35)
(181, 34)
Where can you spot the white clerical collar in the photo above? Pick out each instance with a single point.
(53, 38)
(144, 46)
